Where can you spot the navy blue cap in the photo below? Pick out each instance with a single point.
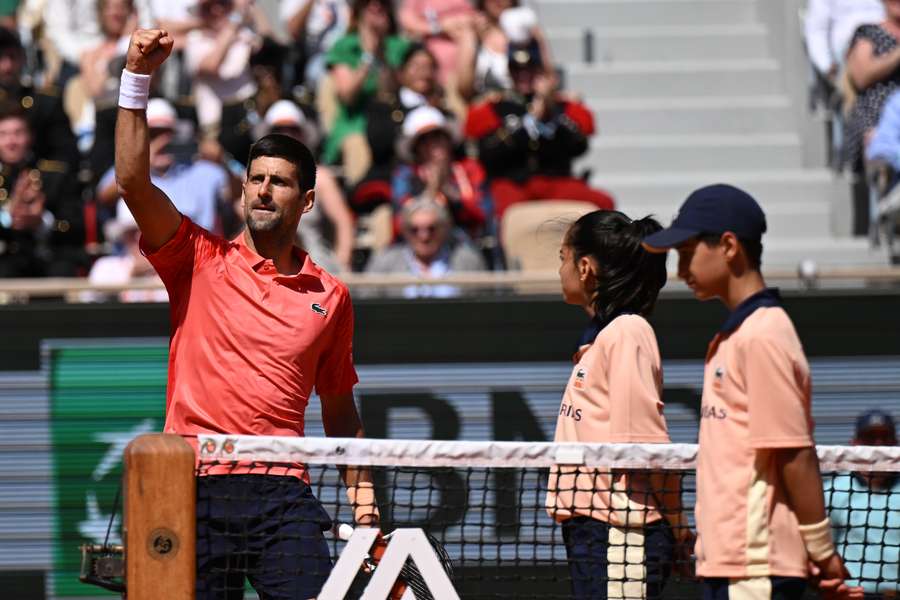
(875, 418)
(712, 209)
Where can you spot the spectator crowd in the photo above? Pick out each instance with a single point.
(854, 50)
(429, 119)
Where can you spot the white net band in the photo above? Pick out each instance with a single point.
(461, 454)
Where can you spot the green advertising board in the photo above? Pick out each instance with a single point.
(102, 395)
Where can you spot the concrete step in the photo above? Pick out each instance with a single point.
(788, 219)
(693, 115)
(654, 153)
(769, 185)
(787, 252)
(790, 251)
(612, 13)
(666, 42)
(661, 79)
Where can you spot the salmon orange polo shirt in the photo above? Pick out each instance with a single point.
(756, 399)
(248, 344)
(613, 396)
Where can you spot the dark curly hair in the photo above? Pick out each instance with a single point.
(629, 277)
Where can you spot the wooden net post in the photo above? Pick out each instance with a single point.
(160, 518)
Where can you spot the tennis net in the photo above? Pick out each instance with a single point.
(485, 505)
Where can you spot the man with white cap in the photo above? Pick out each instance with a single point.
(197, 187)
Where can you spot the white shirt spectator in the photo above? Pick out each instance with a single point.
(150, 11)
(72, 27)
(328, 20)
(830, 25)
(234, 81)
(121, 268)
(118, 270)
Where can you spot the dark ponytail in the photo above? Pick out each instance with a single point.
(629, 277)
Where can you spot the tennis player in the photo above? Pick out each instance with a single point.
(615, 525)
(256, 325)
(760, 513)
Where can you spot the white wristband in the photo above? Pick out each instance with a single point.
(817, 539)
(134, 90)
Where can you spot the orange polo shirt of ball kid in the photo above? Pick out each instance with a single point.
(613, 396)
(756, 398)
(248, 344)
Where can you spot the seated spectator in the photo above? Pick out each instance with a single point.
(433, 173)
(314, 26)
(8, 10)
(361, 64)
(101, 69)
(128, 262)
(528, 139)
(829, 26)
(197, 187)
(865, 514)
(217, 56)
(41, 209)
(44, 108)
(484, 49)
(873, 68)
(418, 86)
(267, 66)
(438, 24)
(71, 27)
(178, 17)
(428, 250)
(286, 118)
(885, 141)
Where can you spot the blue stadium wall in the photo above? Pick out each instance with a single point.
(488, 368)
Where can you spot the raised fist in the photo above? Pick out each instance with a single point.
(148, 49)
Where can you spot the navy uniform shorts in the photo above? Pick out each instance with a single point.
(601, 567)
(265, 528)
(754, 588)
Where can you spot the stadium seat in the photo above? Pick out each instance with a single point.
(375, 230)
(531, 232)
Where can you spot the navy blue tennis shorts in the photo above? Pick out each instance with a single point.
(601, 567)
(755, 588)
(265, 528)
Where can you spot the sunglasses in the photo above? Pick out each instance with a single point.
(416, 230)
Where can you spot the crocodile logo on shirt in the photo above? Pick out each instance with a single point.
(319, 309)
(580, 374)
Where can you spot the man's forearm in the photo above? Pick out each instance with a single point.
(799, 471)
(361, 492)
(340, 419)
(132, 151)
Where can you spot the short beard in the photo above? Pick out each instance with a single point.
(266, 226)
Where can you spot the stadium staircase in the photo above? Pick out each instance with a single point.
(690, 92)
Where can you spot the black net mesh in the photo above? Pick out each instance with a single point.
(494, 534)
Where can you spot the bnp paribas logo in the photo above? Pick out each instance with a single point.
(96, 523)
